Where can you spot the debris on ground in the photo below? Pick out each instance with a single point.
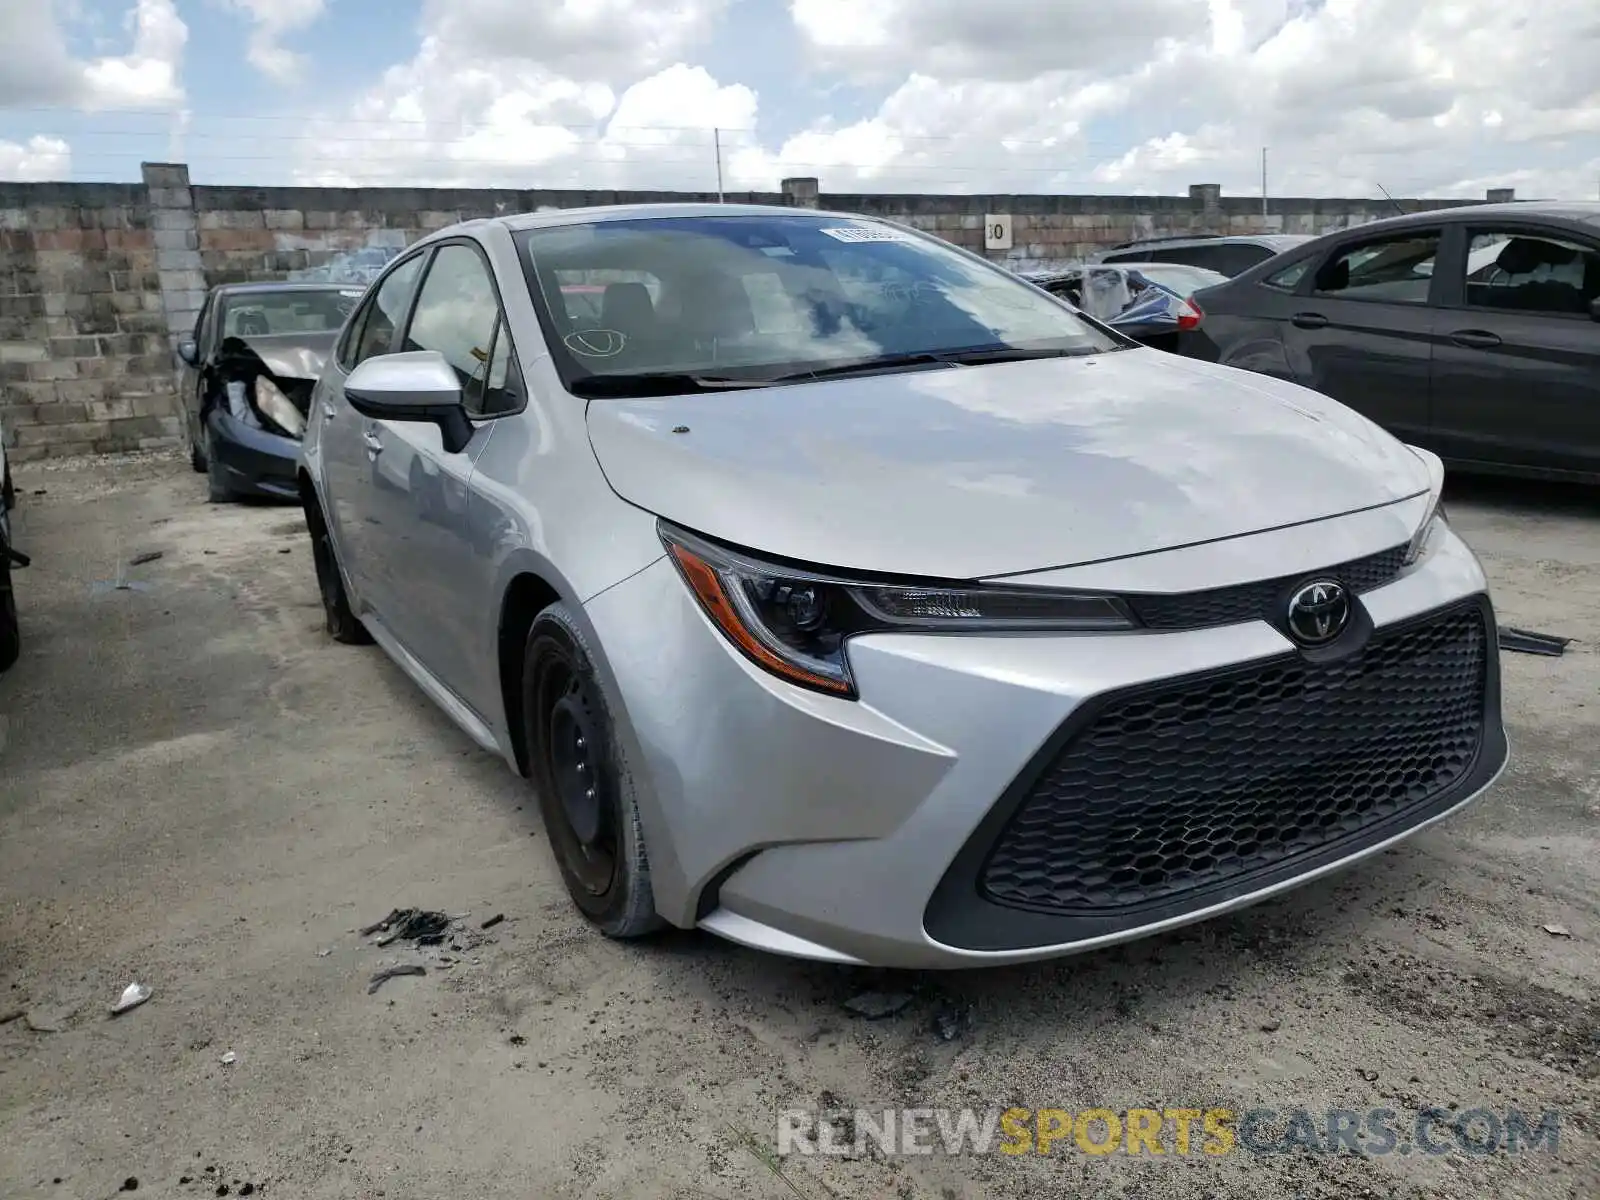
(11, 1014)
(493, 921)
(47, 1020)
(952, 1021)
(1557, 930)
(1526, 641)
(875, 1006)
(229, 1059)
(132, 996)
(148, 556)
(411, 924)
(389, 973)
(1271, 1025)
(130, 1184)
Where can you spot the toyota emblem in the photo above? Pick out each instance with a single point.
(1318, 612)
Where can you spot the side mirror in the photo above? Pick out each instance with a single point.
(417, 385)
(189, 352)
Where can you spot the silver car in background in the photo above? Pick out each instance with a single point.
(848, 597)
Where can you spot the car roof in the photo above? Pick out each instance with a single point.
(245, 289)
(1560, 210)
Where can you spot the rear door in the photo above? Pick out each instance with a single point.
(1361, 328)
(1516, 374)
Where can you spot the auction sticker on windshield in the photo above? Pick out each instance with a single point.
(866, 233)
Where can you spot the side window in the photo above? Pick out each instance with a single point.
(1286, 279)
(1395, 270)
(1526, 272)
(1230, 260)
(458, 315)
(372, 330)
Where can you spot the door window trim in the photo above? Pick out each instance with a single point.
(502, 322)
(1445, 232)
(353, 328)
(1454, 290)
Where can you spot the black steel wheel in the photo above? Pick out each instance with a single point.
(585, 790)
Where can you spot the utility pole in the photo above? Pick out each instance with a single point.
(716, 137)
(1263, 183)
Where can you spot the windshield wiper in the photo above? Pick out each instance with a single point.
(658, 383)
(924, 358)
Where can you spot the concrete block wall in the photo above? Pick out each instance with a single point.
(84, 360)
(98, 281)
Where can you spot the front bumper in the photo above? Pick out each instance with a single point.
(867, 832)
(252, 461)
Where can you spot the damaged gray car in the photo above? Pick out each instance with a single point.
(248, 371)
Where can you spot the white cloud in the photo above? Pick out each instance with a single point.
(39, 158)
(274, 19)
(37, 70)
(1349, 97)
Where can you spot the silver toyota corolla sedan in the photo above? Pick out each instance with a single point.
(847, 596)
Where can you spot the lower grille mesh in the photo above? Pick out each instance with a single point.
(1186, 787)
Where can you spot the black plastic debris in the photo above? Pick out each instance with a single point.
(1526, 641)
(494, 920)
(952, 1021)
(130, 1184)
(410, 924)
(388, 973)
(149, 556)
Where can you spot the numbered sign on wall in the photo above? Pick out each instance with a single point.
(997, 231)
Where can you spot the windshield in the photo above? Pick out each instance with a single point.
(252, 314)
(761, 298)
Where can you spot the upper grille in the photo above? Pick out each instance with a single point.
(1252, 601)
(1177, 789)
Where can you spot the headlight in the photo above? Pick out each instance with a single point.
(277, 407)
(1433, 516)
(795, 623)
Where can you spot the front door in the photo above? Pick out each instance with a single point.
(1516, 373)
(421, 495)
(344, 434)
(1362, 330)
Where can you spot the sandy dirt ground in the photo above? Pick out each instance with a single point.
(199, 791)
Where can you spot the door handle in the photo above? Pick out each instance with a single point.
(373, 441)
(1477, 339)
(1309, 320)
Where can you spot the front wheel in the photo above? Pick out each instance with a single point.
(342, 623)
(585, 789)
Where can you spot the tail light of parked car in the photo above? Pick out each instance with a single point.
(1189, 316)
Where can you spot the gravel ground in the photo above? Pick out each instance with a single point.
(201, 792)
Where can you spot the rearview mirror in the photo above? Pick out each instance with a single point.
(417, 385)
(189, 352)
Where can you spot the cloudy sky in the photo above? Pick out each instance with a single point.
(1420, 97)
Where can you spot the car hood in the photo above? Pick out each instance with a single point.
(286, 355)
(969, 472)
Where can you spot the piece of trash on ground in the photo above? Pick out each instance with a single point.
(229, 1059)
(494, 920)
(411, 924)
(1557, 930)
(388, 973)
(1526, 641)
(876, 1005)
(132, 996)
(149, 556)
(952, 1021)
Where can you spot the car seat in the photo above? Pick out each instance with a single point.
(253, 324)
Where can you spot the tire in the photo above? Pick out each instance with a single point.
(218, 490)
(10, 631)
(342, 623)
(594, 830)
(197, 457)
